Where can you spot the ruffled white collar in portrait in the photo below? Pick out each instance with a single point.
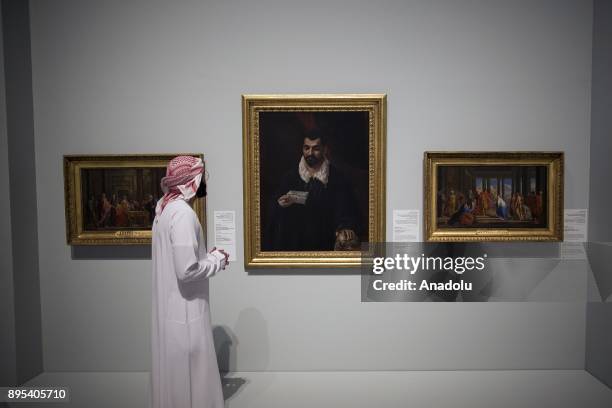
(322, 174)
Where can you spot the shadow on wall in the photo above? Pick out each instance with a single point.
(101, 252)
(226, 345)
(510, 272)
(224, 340)
(304, 271)
(249, 321)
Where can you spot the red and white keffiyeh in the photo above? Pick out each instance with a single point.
(183, 177)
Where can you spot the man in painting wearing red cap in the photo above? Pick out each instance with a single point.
(184, 364)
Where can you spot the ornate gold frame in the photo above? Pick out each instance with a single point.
(554, 163)
(375, 104)
(74, 164)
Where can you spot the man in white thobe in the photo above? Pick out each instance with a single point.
(184, 364)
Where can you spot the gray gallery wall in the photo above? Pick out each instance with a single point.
(600, 222)
(156, 76)
(8, 370)
(22, 181)
(599, 312)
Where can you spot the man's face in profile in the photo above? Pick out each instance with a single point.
(312, 150)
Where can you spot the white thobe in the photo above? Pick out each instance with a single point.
(184, 364)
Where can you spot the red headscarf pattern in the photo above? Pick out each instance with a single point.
(183, 177)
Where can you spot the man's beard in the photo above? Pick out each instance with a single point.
(312, 161)
(201, 192)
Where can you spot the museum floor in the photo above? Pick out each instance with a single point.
(414, 389)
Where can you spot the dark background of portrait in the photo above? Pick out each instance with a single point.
(281, 139)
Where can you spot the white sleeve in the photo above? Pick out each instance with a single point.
(187, 265)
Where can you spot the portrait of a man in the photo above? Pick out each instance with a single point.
(314, 207)
(314, 178)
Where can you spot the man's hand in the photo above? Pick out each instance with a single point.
(346, 235)
(346, 240)
(286, 200)
(226, 256)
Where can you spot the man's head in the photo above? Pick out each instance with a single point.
(182, 180)
(313, 148)
(183, 175)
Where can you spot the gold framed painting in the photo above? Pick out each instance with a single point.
(111, 199)
(493, 196)
(314, 178)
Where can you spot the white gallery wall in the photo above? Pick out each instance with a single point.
(157, 77)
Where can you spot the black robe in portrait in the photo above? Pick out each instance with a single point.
(311, 226)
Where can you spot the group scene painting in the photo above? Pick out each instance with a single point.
(120, 198)
(505, 196)
(314, 180)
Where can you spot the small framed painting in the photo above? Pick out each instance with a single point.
(493, 196)
(111, 199)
